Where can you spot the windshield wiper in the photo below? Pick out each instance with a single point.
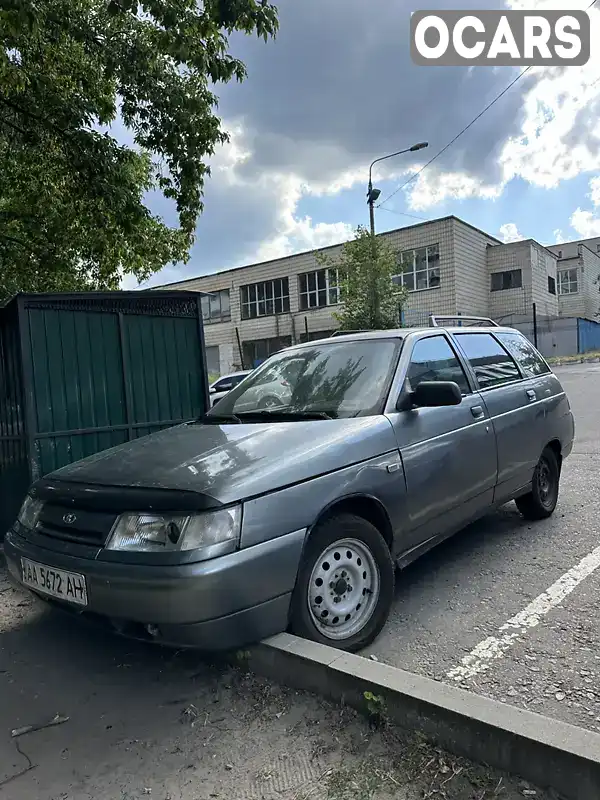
(218, 419)
(264, 413)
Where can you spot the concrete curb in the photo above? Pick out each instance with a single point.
(547, 752)
(560, 362)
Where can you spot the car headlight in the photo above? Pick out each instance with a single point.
(30, 512)
(153, 533)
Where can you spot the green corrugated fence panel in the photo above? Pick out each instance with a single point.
(77, 372)
(164, 367)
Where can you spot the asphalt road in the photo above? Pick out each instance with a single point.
(459, 595)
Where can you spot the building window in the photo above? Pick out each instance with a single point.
(259, 350)
(265, 299)
(551, 284)
(419, 269)
(560, 253)
(511, 279)
(215, 306)
(567, 281)
(319, 289)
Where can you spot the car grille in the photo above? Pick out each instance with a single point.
(75, 525)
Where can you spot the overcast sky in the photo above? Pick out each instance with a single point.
(337, 89)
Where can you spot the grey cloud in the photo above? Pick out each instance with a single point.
(338, 87)
(584, 128)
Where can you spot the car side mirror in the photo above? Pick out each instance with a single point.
(431, 394)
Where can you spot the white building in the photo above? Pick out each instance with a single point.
(448, 266)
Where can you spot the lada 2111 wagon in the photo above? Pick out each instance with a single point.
(259, 518)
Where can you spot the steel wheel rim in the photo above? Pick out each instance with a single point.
(343, 591)
(269, 402)
(545, 483)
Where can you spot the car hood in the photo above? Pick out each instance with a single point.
(233, 462)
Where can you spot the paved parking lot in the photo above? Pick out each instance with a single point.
(457, 599)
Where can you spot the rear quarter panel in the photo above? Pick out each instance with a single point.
(559, 417)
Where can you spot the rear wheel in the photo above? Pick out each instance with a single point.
(541, 501)
(345, 585)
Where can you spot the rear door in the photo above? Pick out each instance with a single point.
(514, 405)
(448, 453)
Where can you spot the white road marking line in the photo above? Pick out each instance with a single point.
(494, 647)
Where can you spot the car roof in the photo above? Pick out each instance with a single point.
(402, 333)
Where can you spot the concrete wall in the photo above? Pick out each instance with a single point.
(471, 253)
(516, 255)
(570, 249)
(556, 336)
(585, 302)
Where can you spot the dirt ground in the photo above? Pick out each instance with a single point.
(148, 722)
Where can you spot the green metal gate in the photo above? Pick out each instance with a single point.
(84, 372)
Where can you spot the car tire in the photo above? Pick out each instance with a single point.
(269, 402)
(343, 550)
(541, 501)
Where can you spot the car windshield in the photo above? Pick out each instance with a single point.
(326, 380)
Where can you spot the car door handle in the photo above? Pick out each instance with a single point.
(531, 394)
(477, 411)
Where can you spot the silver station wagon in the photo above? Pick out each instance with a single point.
(254, 520)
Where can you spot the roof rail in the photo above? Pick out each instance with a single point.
(345, 333)
(458, 320)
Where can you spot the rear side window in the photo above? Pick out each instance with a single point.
(433, 359)
(524, 353)
(491, 363)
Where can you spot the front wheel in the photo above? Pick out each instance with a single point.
(541, 501)
(345, 585)
(269, 402)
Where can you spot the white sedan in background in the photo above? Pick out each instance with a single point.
(225, 384)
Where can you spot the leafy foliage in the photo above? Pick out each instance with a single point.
(72, 212)
(371, 300)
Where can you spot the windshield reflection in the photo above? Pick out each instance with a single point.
(335, 379)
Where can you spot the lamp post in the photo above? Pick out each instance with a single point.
(372, 196)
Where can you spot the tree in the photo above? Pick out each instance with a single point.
(371, 300)
(72, 212)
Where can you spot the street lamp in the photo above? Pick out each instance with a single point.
(373, 194)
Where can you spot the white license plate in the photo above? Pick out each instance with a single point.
(59, 583)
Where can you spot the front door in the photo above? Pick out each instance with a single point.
(449, 453)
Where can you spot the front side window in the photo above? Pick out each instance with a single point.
(510, 279)
(319, 289)
(265, 299)
(419, 268)
(567, 281)
(524, 354)
(433, 359)
(339, 379)
(491, 363)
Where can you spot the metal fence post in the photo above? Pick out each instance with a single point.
(535, 331)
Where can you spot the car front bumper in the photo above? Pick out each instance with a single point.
(219, 604)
